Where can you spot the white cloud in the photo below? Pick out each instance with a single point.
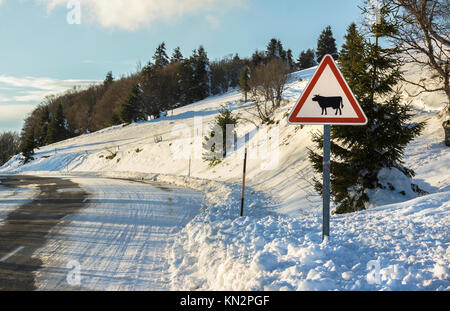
(28, 96)
(15, 113)
(133, 14)
(27, 89)
(20, 95)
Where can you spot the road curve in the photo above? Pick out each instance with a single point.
(25, 229)
(116, 234)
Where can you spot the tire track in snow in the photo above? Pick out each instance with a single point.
(122, 240)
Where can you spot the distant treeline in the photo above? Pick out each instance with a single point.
(164, 83)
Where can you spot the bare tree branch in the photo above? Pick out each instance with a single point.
(423, 33)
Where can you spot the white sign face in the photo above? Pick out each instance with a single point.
(327, 99)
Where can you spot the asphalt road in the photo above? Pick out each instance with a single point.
(25, 229)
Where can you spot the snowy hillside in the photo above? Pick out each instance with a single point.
(401, 242)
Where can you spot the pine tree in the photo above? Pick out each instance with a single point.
(290, 60)
(161, 59)
(132, 110)
(44, 123)
(184, 82)
(176, 56)
(244, 81)
(109, 79)
(352, 57)
(29, 146)
(213, 153)
(199, 86)
(272, 49)
(57, 129)
(326, 45)
(359, 153)
(306, 59)
(257, 59)
(275, 50)
(281, 51)
(52, 131)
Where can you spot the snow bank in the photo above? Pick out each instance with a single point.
(396, 247)
(397, 187)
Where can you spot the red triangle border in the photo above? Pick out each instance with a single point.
(361, 117)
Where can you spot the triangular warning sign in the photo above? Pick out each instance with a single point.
(328, 99)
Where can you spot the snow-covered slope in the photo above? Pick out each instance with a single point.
(278, 246)
(279, 168)
(137, 150)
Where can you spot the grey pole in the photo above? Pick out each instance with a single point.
(326, 181)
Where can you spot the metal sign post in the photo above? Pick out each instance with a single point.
(326, 181)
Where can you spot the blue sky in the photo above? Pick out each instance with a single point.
(41, 53)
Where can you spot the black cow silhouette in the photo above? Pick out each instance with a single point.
(329, 102)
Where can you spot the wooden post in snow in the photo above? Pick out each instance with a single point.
(243, 183)
(190, 159)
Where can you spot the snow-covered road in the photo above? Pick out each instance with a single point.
(120, 240)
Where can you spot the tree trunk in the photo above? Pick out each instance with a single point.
(447, 89)
(446, 126)
(446, 123)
